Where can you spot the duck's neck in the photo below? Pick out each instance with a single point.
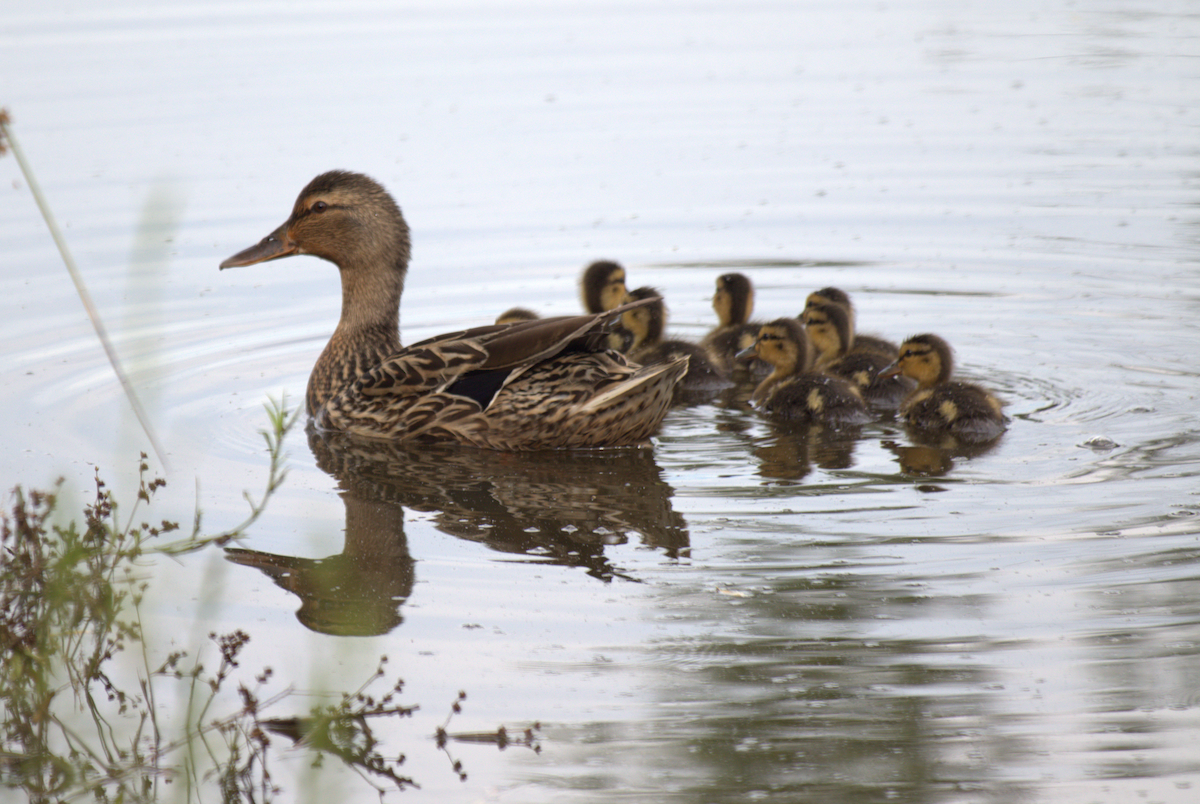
(367, 333)
(740, 308)
(826, 350)
(781, 372)
(926, 382)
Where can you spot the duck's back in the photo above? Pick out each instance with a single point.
(873, 343)
(502, 388)
(582, 401)
(816, 397)
(959, 408)
(862, 370)
(702, 374)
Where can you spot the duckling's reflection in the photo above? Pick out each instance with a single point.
(559, 507)
(794, 448)
(933, 454)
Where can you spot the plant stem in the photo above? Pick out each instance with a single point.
(80, 288)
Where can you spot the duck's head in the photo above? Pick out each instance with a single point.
(828, 327)
(829, 295)
(516, 315)
(924, 358)
(346, 218)
(784, 345)
(834, 296)
(645, 324)
(602, 286)
(734, 299)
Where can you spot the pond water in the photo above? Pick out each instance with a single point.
(744, 611)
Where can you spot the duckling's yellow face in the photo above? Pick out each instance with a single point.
(637, 322)
(920, 361)
(822, 331)
(613, 291)
(837, 298)
(734, 300)
(779, 347)
(722, 304)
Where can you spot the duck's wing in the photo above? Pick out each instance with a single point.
(478, 362)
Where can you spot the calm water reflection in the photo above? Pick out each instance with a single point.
(747, 611)
(561, 508)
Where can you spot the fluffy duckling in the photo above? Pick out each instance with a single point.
(793, 391)
(733, 303)
(939, 404)
(602, 286)
(828, 327)
(640, 336)
(515, 315)
(858, 343)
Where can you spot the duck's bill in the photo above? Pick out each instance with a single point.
(747, 353)
(890, 370)
(275, 245)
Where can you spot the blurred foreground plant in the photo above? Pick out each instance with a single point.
(8, 142)
(71, 727)
(69, 604)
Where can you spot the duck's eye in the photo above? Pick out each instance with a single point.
(320, 207)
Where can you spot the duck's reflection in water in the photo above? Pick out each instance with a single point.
(793, 448)
(933, 454)
(357, 592)
(561, 507)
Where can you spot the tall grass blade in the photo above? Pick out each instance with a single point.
(80, 288)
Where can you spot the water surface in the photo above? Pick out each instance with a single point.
(744, 611)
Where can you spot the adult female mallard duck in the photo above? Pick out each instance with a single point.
(939, 404)
(828, 327)
(602, 286)
(544, 384)
(645, 343)
(793, 391)
(733, 303)
(858, 343)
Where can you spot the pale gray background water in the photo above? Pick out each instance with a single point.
(1020, 177)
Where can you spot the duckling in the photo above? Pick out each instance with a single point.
(793, 391)
(733, 302)
(545, 384)
(644, 343)
(939, 404)
(828, 327)
(516, 314)
(859, 343)
(602, 286)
